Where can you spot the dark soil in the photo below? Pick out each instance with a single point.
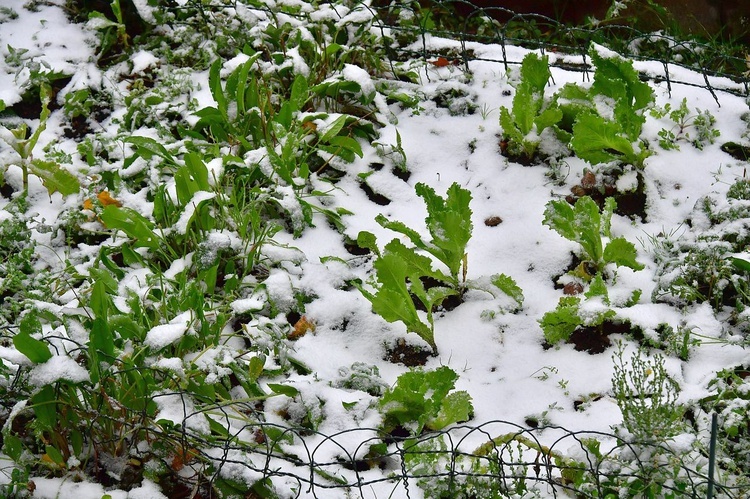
(373, 196)
(595, 339)
(408, 355)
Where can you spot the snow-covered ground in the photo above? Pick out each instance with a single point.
(501, 357)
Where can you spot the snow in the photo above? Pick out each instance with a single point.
(166, 334)
(59, 367)
(499, 356)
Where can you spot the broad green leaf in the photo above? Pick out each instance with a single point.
(456, 408)
(346, 144)
(54, 455)
(598, 288)
(334, 128)
(622, 252)
(526, 105)
(547, 118)
(44, 404)
(287, 390)
(392, 301)
(300, 93)
(367, 240)
(12, 446)
(509, 286)
(535, 71)
(54, 177)
(511, 131)
(147, 147)
(131, 222)
(559, 216)
(597, 140)
(101, 340)
(449, 223)
(417, 397)
(560, 323)
(611, 70)
(581, 224)
(740, 264)
(35, 350)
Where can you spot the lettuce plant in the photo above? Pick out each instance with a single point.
(424, 399)
(610, 115)
(585, 225)
(402, 272)
(530, 115)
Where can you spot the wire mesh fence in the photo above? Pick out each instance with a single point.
(493, 459)
(721, 69)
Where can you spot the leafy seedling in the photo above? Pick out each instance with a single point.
(423, 399)
(529, 115)
(583, 224)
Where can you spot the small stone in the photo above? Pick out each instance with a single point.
(573, 288)
(493, 221)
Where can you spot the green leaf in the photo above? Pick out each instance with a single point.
(133, 224)
(100, 300)
(300, 93)
(54, 177)
(455, 408)
(346, 144)
(44, 404)
(740, 264)
(416, 398)
(12, 446)
(449, 223)
(547, 118)
(367, 240)
(598, 288)
(334, 128)
(35, 350)
(597, 140)
(622, 252)
(535, 71)
(615, 77)
(580, 223)
(101, 339)
(508, 285)
(402, 228)
(392, 301)
(148, 147)
(287, 390)
(560, 323)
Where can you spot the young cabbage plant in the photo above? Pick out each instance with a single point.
(585, 225)
(402, 272)
(597, 137)
(530, 114)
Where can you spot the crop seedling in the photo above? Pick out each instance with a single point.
(595, 137)
(424, 400)
(402, 272)
(585, 225)
(530, 115)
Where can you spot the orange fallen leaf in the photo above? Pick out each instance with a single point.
(106, 199)
(301, 328)
(441, 62)
(183, 457)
